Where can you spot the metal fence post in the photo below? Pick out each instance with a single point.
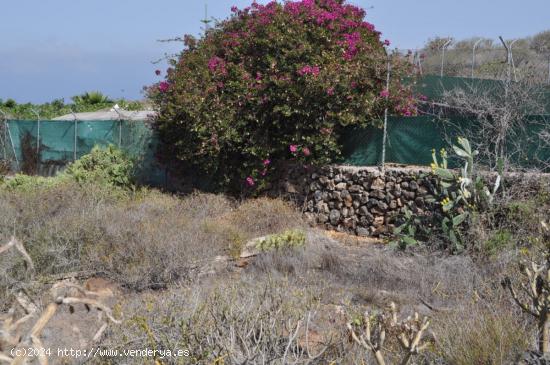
(385, 135)
(75, 138)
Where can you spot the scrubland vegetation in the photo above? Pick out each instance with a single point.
(183, 281)
(90, 259)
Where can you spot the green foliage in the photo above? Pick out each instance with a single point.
(274, 84)
(27, 183)
(500, 240)
(91, 98)
(88, 102)
(457, 196)
(461, 193)
(288, 239)
(408, 232)
(104, 165)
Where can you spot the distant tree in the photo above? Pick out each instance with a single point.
(541, 43)
(91, 98)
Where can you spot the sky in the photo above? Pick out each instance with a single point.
(60, 48)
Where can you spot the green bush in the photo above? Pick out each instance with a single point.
(288, 239)
(271, 84)
(103, 165)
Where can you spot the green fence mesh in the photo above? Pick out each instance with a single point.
(61, 142)
(411, 140)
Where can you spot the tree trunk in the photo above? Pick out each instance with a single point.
(544, 332)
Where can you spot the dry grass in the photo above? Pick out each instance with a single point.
(160, 249)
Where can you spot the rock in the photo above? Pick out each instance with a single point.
(419, 202)
(362, 232)
(364, 198)
(323, 180)
(345, 212)
(290, 188)
(356, 204)
(334, 217)
(378, 184)
(355, 188)
(346, 196)
(404, 185)
(363, 210)
(322, 218)
(318, 195)
(413, 185)
(378, 194)
(330, 185)
(378, 221)
(341, 186)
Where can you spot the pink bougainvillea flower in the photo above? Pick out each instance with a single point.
(234, 9)
(309, 70)
(157, 72)
(164, 86)
(250, 181)
(330, 91)
(293, 148)
(267, 162)
(386, 42)
(423, 97)
(217, 64)
(264, 172)
(384, 93)
(326, 131)
(306, 151)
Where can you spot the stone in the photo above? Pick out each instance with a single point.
(404, 185)
(334, 217)
(322, 218)
(323, 180)
(290, 188)
(364, 198)
(413, 185)
(378, 194)
(336, 195)
(419, 201)
(346, 196)
(378, 184)
(422, 191)
(393, 205)
(356, 204)
(341, 186)
(378, 221)
(331, 185)
(362, 232)
(349, 223)
(318, 195)
(345, 212)
(355, 188)
(363, 210)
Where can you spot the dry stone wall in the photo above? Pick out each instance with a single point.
(359, 200)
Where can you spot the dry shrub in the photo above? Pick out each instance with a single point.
(142, 239)
(482, 333)
(258, 217)
(241, 322)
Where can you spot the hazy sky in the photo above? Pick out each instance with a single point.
(58, 48)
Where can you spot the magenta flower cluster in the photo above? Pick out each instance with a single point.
(163, 86)
(217, 65)
(309, 70)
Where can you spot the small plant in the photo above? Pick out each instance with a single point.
(407, 232)
(372, 333)
(459, 195)
(109, 166)
(288, 239)
(534, 298)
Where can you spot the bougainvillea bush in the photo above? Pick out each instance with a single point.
(271, 84)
